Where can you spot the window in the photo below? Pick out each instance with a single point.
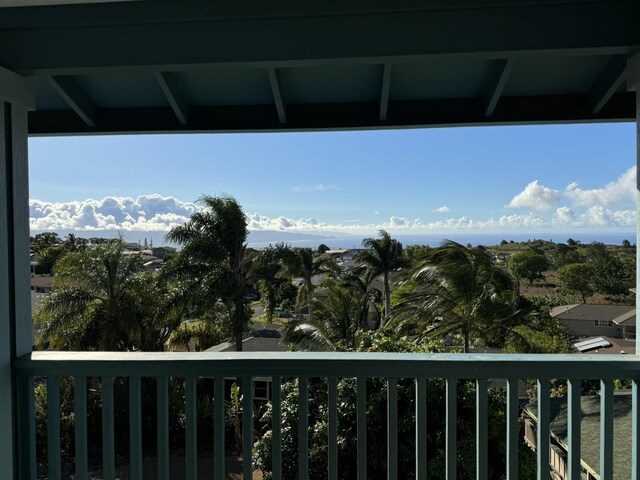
(603, 323)
(261, 390)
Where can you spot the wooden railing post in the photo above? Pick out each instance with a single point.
(16, 97)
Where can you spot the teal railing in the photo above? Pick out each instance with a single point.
(277, 366)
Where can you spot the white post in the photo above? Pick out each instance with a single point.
(16, 331)
(633, 84)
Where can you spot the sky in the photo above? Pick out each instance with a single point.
(517, 179)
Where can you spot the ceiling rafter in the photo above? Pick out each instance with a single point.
(75, 97)
(497, 82)
(608, 83)
(171, 89)
(277, 94)
(385, 90)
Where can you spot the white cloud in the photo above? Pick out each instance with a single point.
(614, 193)
(596, 217)
(145, 213)
(442, 209)
(537, 197)
(314, 188)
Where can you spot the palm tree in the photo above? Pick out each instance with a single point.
(102, 302)
(336, 323)
(382, 256)
(455, 289)
(212, 263)
(267, 268)
(301, 262)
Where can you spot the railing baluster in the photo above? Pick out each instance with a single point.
(451, 427)
(191, 433)
(162, 406)
(512, 429)
(482, 428)
(26, 428)
(108, 438)
(421, 428)
(218, 428)
(303, 428)
(276, 426)
(542, 442)
(574, 415)
(135, 429)
(362, 428)
(392, 428)
(247, 427)
(53, 427)
(80, 418)
(606, 429)
(333, 428)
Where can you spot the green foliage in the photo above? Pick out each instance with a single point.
(576, 277)
(376, 423)
(212, 264)
(201, 334)
(104, 301)
(528, 265)
(459, 286)
(611, 277)
(381, 257)
(322, 249)
(48, 257)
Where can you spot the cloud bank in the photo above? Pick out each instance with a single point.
(610, 206)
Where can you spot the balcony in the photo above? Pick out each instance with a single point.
(491, 370)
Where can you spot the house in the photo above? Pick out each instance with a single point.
(605, 346)
(590, 432)
(584, 320)
(42, 283)
(265, 340)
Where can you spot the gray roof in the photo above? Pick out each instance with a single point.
(590, 313)
(264, 340)
(590, 426)
(149, 66)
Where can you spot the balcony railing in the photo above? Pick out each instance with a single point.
(483, 369)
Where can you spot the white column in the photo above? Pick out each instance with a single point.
(16, 98)
(633, 84)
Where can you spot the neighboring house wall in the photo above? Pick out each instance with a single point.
(587, 328)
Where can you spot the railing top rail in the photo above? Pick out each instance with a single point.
(321, 364)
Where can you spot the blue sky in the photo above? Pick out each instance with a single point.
(479, 178)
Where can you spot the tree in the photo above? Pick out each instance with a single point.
(268, 266)
(322, 249)
(73, 244)
(528, 265)
(572, 243)
(44, 240)
(301, 262)
(459, 286)
(382, 256)
(611, 277)
(626, 243)
(212, 261)
(576, 277)
(337, 319)
(104, 302)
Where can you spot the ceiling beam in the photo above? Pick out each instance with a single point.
(633, 72)
(171, 89)
(608, 82)
(277, 95)
(340, 116)
(384, 94)
(510, 29)
(16, 89)
(497, 82)
(75, 97)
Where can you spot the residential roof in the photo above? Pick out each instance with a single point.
(258, 341)
(148, 66)
(42, 281)
(616, 346)
(590, 430)
(628, 318)
(590, 313)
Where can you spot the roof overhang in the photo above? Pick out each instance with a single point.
(166, 66)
